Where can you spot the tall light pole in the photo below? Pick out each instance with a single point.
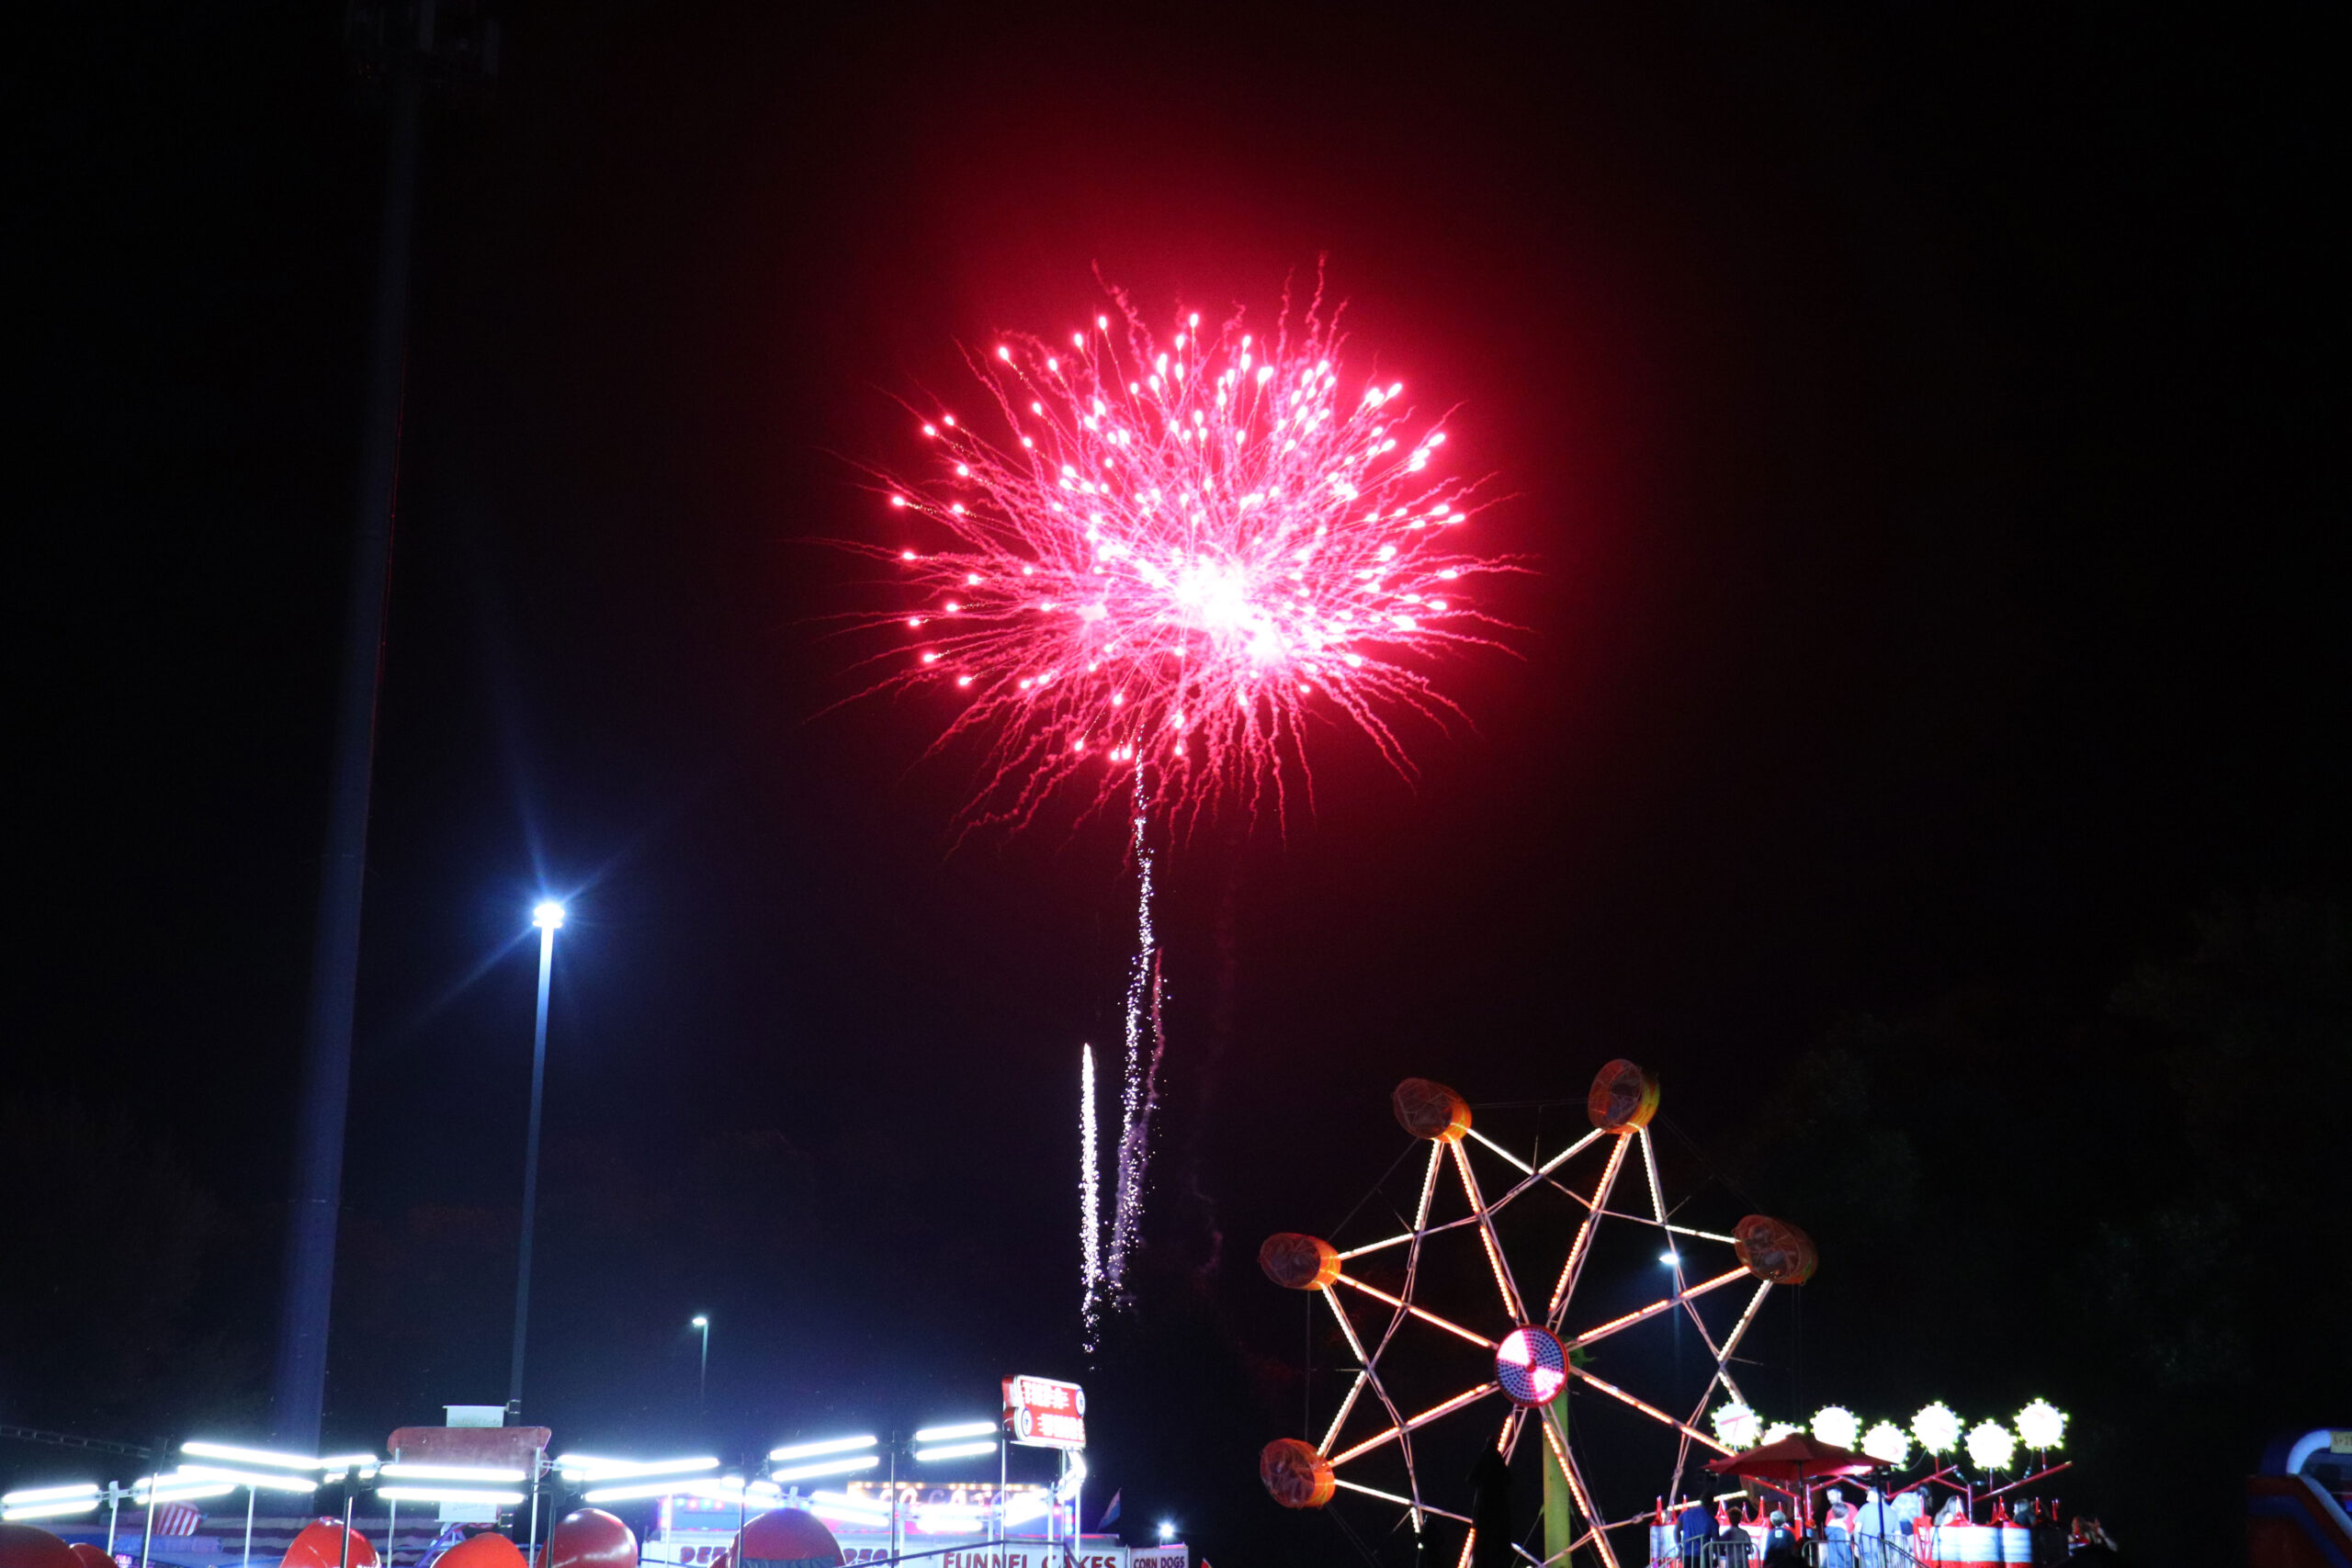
(703, 1397)
(549, 917)
(397, 44)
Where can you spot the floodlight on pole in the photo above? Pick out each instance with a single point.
(958, 1430)
(14, 1511)
(51, 1502)
(827, 1467)
(1167, 1530)
(237, 1454)
(581, 1467)
(702, 1390)
(953, 1450)
(418, 1469)
(822, 1446)
(447, 1495)
(259, 1481)
(548, 917)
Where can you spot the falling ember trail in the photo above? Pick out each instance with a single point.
(1176, 552)
(1141, 1095)
(1089, 1202)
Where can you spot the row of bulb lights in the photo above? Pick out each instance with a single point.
(1991, 1445)
(214, 1470)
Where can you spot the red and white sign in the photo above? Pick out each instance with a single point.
(1044, 1413)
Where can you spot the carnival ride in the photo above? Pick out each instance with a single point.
(1410, 1330)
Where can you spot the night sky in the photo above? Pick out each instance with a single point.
(1929, 722)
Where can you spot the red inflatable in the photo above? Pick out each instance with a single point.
(89, 1555)
(487, 1549)
(787, 1538)
(27, 1546)
(321, 1545)
(592, 1537)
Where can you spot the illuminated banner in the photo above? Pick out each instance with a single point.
(1044, 1414)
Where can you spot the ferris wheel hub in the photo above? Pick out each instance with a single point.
(1531, 1365)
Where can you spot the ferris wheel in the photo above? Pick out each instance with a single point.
(1418, 1320)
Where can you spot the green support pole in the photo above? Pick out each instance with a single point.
(1559, 1507)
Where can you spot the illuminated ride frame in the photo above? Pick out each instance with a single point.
(1535, 1353)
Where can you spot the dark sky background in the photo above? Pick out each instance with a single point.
(1918, 418)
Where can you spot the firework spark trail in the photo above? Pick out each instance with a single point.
(1178, 553)
(1090, 1202)
(1142, 1081)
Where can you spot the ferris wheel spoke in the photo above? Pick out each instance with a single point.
(1557, 1442)
(1347, 1408)
(1406, 1503)
(1434, 1412)
(1619, 1324)
(1514, 1422)
(1731, 1341)
(1649, 1164)
(1582, 1247)
(1543, 1173)
(1646, 1408)
(1495, 1263)
(1376, 1293)
(1502, 1154)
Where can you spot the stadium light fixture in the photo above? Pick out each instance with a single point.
(957, 1429)
(50, 1493)
(238, 1454)
(260, 1480)
(56, 1510)
(580, 1467)
(827, 1467)
(415, 1470)
(822, 1446)
(953, 1450)
(430, 1494)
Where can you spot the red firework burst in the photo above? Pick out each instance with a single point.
(1172, 556)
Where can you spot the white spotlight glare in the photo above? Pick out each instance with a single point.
(953, 1450)
(50, 1493)
(410, 1470)
(828, 1467)
(548, 915)
(1669, 1256)
(582, 1467)
(49, 1510)
(960, 1429)
(261, 1480)
(236, 1454)
(823, 1446)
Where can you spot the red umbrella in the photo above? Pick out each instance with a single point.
(1793, 1461)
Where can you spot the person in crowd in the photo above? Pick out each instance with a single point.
(1874, 1523)
(1694, 1528)
(2092, 1544)
(1780, 1542)
(1837, 1546)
